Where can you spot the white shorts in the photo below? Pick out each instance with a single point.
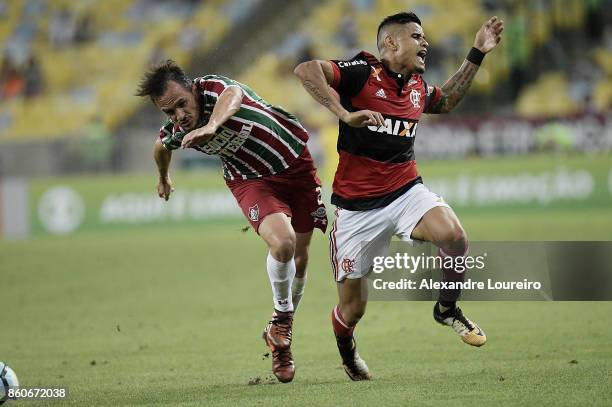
(359, 236)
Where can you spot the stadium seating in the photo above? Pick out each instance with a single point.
(97, 76)
(549, 96)
(450, 29)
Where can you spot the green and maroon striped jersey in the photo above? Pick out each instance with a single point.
(258, 140)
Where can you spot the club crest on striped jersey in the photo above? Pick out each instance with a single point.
(395, 127)
(254, 213)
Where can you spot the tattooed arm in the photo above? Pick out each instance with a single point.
(455, 88)
(316, 77)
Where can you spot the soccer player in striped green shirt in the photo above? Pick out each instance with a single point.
(267, 167)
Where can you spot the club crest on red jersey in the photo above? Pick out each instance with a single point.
(415, 98)
(254, 213)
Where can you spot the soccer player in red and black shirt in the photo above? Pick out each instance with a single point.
(377, 188)
(267, 167)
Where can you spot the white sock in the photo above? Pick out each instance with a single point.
(281, 276)
(297, 291)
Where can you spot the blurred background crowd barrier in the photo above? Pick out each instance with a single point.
(572, 188)
(538, 116)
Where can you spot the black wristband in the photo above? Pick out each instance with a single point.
(475, 56)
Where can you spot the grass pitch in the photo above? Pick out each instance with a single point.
(174, 317)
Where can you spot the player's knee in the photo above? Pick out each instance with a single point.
(454, 240)
(455, 235)
(460, 239)
(283, 248)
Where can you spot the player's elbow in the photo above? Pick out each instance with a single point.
(158, 146)
(159, 150)
(235, 95)
(303, 70)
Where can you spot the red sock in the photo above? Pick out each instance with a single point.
(341, 328)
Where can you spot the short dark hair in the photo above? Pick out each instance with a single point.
(399, 18)
(155, 81)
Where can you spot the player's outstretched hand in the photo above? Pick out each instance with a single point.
(199, 136)
(489, 35)
(164, 188)
(363, 118)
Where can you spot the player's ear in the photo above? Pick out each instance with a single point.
(390, 42)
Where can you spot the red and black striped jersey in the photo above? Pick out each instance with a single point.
(377, 163)
(258, 140)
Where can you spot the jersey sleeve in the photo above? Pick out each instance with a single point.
(212, 86)
(350, 76)
(432, 99)
(169, 138)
